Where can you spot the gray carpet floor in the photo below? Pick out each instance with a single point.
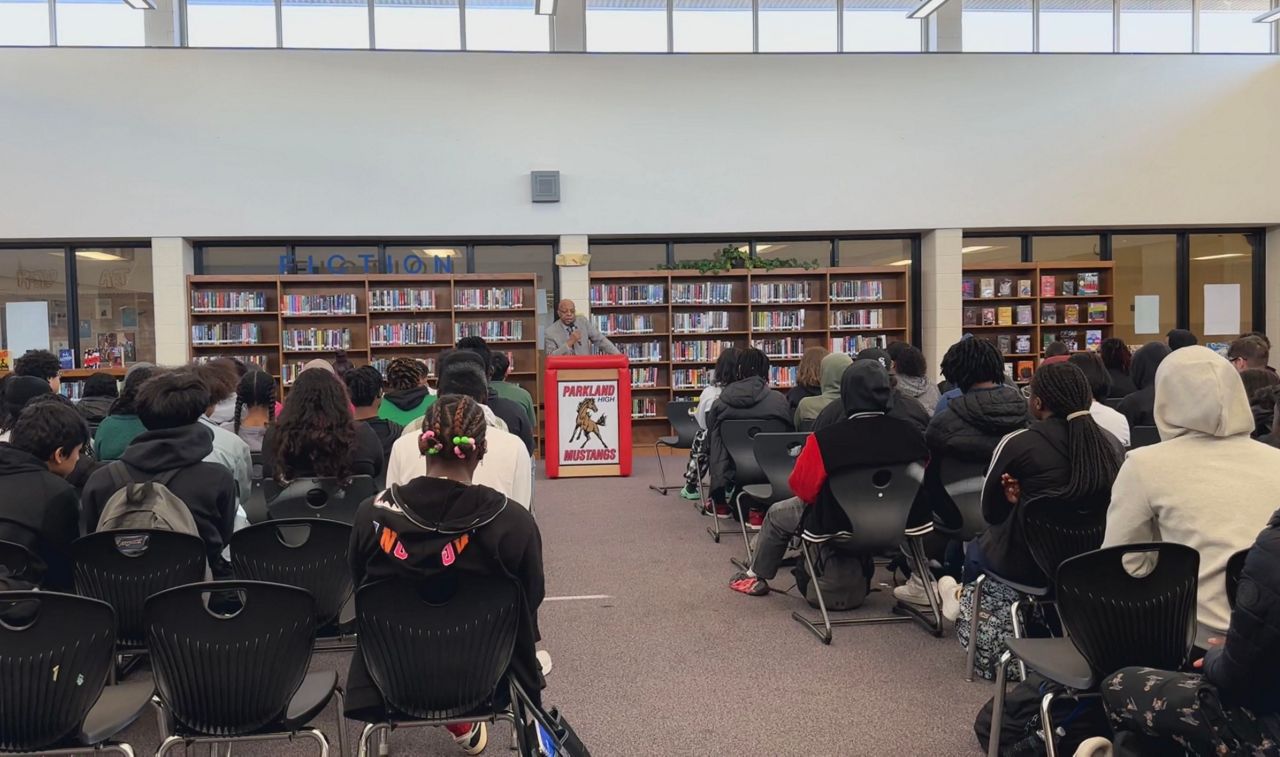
(671, 662)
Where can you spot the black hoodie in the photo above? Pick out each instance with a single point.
(1140, 406)
(405, 531)
(748, 399)
(41, 512)
(94, 409)
(207, 489)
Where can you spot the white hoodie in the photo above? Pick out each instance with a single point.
(1206, 484)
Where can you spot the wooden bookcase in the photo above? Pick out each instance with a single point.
(1053, 298)
(674, 324)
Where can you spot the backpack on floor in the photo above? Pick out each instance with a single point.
(845, 578)
(1022, 734)
(147, 505)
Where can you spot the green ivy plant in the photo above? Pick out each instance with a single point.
(733, 257)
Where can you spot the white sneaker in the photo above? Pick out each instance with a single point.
(950, 590)
(1095, 746)
(544, 660)
(912, 592)
(475, 740)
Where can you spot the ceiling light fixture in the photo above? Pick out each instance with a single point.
(926, 9)
(977, 248)
(545, 8)
(141, 5)
(438, 252)
(1220, 257)
(1270, 17)
(99, 255)
(901, 262)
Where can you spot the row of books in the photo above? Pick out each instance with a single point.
(857, 290)
(625, 323)
(990, 288)
(872, 318)
(383, 362)
(689, 293)
(644, 407)
(395, 334)
(607, 295)
(777, 320)
(1020, 315)
(691, 378)
(225, 333)
(389, 300)
(780, 291)
(204, 301)
(319, 304)
(644, 378)
(697, 323)
(1012, 345)
(698, 351)
(1071, 338)
(494, 331)
(779, 348)
(1083, 283)
(642, 352)
(249, 360)
(316, 339)
(1096, 312)
(72, 390)
(491, 298)
(782, 375)
(854, 344)
(1020, 371)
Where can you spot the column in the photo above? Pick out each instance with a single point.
(172, 260)
(161, 25)
(940, 312)
(569, 26)
(943, 28)
(1271, 282)
(573, 262)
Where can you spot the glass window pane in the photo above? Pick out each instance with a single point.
(1155, 26)
(34, 275)
(24, 22)
(1084, 248)
(231, 23)
(992, 250)
(117, 305)
(816, 251)
(627, 257)
(711, 26)
(807, 26)
(996, 26)
(506, 25)
(336, 259)
(686, 251)
(417, 25)
(1076, 26)
(1226, 26)
(627, 26)
(532, 258)
(108, 23)
(220, 261)
(864, 252)
(880, 26)
(1221, 259)
(425, 258)
(325, 24)
(1145, 264)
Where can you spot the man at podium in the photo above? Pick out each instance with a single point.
(573, 334)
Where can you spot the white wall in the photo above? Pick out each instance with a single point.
(208, 143)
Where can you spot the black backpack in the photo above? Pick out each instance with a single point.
(1022, 734)
(845, 578)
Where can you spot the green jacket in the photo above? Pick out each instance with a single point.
(518, 395)
(114, 434)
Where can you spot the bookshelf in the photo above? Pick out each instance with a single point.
(1021, 307)
(674, 324)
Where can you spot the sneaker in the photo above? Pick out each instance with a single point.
(750, 585)
(950, 590)
(723, 511)
(691, 494)
(474, 740)
(544, 660)
(912, 592)
(755, 519)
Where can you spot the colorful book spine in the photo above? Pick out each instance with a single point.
(642, 352)
(763, 293)
(777, 320)
(872, 318)
(782, 375)
(203, 301)
(644, 378)
(781, 348)
(316, 339)
(702, 293)
(854, 344)
(393, 300)
(611, 295)
(690, 378)
(413, 334)
(857, 290)
(614, 324)
(318, 304)
(491, 298)
(698, 350)
(492, 331)
(258, 360)
(644, 407)
(205, 334)
(699, 323)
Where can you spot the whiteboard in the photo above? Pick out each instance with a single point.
(26, 326)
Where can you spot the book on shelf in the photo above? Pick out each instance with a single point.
(1068, 287)
(1048, 286)
(642, 352)
(988, 316)
(781, 348)
(1004, 287)
(857, 290)
(614, 324)
(1004, 316)
(1097, 312)
(966, 288)
(644, 407)
(697, 350)
(1071, 338)
(1071, 313)
(777, 320)
(1087, 282)
(611, 295)
(1023, 315)
(644, 377)
(701, 293)
(403, 298)
(318, 304)
(1024, 287)
(1004, 344)
(970, 316)
(493, 331)
(782, 376)
(415, 334)
(256, 360)
(1025, 370)
(780, 291)
(1048, 313)
(206, 334)
(205, 301)
(488, 298)
(699, 323)
(690, 378)
(1022, 345)
(316, 339)
(1008, 372)
(1093, 339)
(857, 319)
(987, 288)
(851, 345)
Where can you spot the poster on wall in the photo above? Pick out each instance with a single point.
(1146, 314)
(26, 326)
(588, 422)
(1221, 309)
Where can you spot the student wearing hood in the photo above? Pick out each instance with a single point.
(1139, 407)
(910, 370)
(748, 398)
(867, 434)
(1207, 484)
(902, 407)
(831, 369)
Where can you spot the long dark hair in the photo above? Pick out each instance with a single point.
(315, 431)
(256, 389)
(726, 370)
(1116, 355)
(1065, 392)
(127, 402)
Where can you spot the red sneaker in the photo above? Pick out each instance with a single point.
(750, 585)
(723, 511)
(755, 519)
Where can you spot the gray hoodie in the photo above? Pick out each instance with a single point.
(831, 370)
(921, 389)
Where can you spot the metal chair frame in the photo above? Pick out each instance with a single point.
(680, 416)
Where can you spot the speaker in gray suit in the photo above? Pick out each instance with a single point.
(573, 334)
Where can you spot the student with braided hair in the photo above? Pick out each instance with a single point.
(435, 527)
(407, 396)
(255, 408)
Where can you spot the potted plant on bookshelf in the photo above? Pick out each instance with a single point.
(735, 257)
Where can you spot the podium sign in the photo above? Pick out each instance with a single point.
(588, 415)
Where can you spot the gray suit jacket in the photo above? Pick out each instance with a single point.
(556, 339)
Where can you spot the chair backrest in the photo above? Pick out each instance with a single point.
(1117, 619)
(438, 650)
(876, 500)
(1057, 530)
(228, 655)
(123, 568)
(320, 498)
(680, 415)
(16, 561)
(55, 651)
(1235, 566)
(309, 553)
(776, 453)
(1143, 436)
(961, 516)
(255, 465)
(738, 437)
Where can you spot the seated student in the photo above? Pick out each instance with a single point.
(1207, 484)
(1179, 338)
(317, 436)
(1110, 419)
(904, 406)
(407, 396)
(122, 426)
(831, 369)
(1139, 407)
(41, 364)
(808, 377)
(255, 408)
(1249, 352)
(499, 365)
(1232, 705)
(506, 466)
(229, 371)
(868, 435)
(364, 384)
(100, 391)
(18, 391)
(910, 369)
(40, 510)
(1259, 387)
(228, 448)
(404, 531)
(510, 412)
(748, 398)
(721, 376)
(1117, 359)
(174, 450)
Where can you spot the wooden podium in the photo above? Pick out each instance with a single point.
(587, 407)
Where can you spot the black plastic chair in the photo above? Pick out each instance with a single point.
(17, 562)
(239, 672)
(319, 498)
(738, 438)
(877, 501)
(440, 653)
(124, 567)
(680, 416)
(1143, 436)
(55, 654)
(309, 553)
(776, 454)
(1113, 620)
(961, 517)
(1235, 567)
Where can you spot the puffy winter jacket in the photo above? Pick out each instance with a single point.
(746, 399)
(971, 425)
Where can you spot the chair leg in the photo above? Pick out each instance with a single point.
(319, 738)
(933, 622)
(168, 744)
(384, 743)
(340, 704)
(972, 655)
(662, 473)
(1046, 721)
(823, 635)
(746, 539)
(362, 746)
(1015, 614)
(997, 709)
(122, 749)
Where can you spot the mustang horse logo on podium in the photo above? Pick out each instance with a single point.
(586, 425)
(588, 415)
(587, 436)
